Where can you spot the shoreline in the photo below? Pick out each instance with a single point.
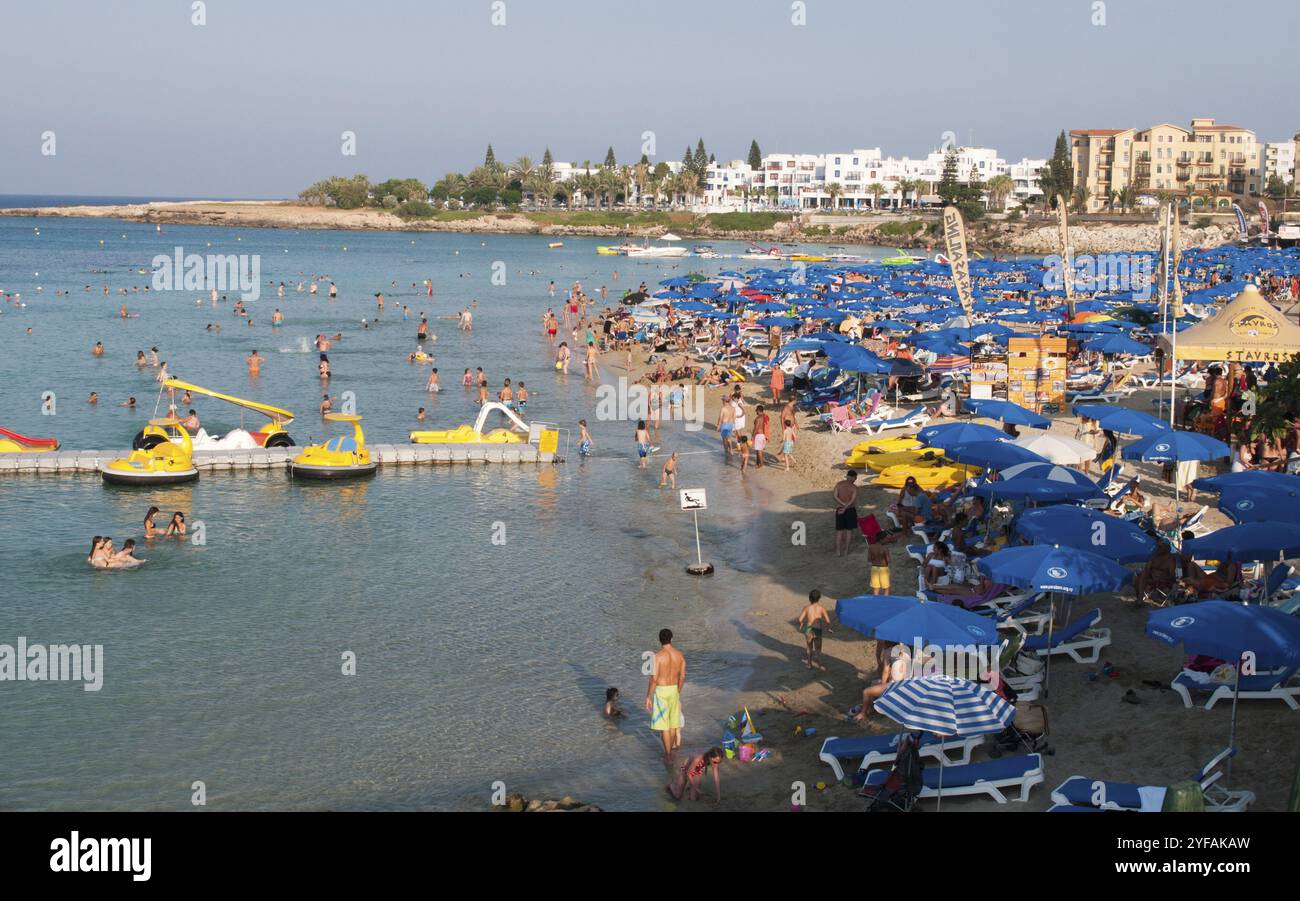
(1091, 731)
(1024, 236)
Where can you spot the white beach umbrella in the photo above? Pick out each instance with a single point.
(669, 236)
(1057, 448)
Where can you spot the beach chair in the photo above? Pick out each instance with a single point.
(878, 749)
(1279, 685)
(1262, 592)
(1123, 385)
(1195, 523)
(1100, 393)
(994, 778)
(1099, 794)
(913, 419)
(1080, 640)
(1021, 618)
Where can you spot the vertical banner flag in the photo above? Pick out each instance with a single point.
(1067, 255)
(1174, 254)
(1162, 269)
(1263, 222)
(1242, 229)
(954, 235)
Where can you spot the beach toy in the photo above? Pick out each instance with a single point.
(746, 753)
(821, 786)
(810, 732)
(762, 755)
(733, 723)
(798, 730)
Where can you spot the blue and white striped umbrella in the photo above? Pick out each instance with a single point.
(946, 706)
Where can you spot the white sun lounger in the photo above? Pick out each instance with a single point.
(1099, 794)
(875, 749)
(1281, 686)
(994, 778)
(1080, 640)
(916, 418)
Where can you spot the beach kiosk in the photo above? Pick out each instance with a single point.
(1036, 372)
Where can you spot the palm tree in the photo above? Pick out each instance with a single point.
(564, 189)
(1081, 198)
(522, 168)
(641, 175)
(687, 184)
(875, 189)
(833, 191)
(1214, 190)
(999, 187)
(1126, 196)
(904, 185)
(540, 186)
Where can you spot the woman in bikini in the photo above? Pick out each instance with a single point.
(177, 526)
(150, 530)
(99, 554)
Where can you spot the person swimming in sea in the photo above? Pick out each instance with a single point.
(101, 549)
(125, 557)
(612, 710)
(176, 528)
(151, 530)
(584, 439)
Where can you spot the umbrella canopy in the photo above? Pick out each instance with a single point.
(1111, 345)
(1057, 448)
(1228, 630)
(1064, 570)
(1248, 542)
(1122, 419)
(1254, 478)
(854, 358)
(991, 454)
(1088, 530)
(954, 433)
(1175, 446)
(1244, 504)
(945, 705)
(1005, 411)
(909, 620)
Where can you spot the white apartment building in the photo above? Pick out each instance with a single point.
(1025, 175)
(1279, 160)
(730, 187)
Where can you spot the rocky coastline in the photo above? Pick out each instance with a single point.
(1038, 236)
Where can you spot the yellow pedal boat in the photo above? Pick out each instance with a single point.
(14, 443)
(928, 476)
(881, 462)
(164, 458)
(886, 445)
(342, 457)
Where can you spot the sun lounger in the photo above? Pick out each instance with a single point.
(877, 749)
(1096, 794)
(993, 778)
(913, 419)
(1280, 686)
(1080, 640)
(1102, 393)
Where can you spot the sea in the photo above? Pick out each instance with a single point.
(422, 640)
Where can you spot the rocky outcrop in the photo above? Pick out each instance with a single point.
(1106, 238)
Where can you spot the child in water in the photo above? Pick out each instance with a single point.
(612, 710)
(584, 439)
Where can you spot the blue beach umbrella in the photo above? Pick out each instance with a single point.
(1089, 530)
(1229, 631)
(1111, 345)
(1247, 542)
(1061, 570)
(1122, 419)
(954, 433)
(945, 706)
(1254, 478)
(1005, 411)
(1174, 447)
(991, 454)
(1243, 504)
(909, 620)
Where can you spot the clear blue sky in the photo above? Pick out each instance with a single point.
(253, 103)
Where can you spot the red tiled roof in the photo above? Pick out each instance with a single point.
(1098, 131)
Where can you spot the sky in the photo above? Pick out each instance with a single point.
(254, 102)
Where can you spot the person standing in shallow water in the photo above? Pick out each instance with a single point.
(663, 697)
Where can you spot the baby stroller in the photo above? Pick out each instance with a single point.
(902, 787)
(1028, 729)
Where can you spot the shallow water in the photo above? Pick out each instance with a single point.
(476, 661)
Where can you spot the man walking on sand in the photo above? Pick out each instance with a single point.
(726, 424)
(663, 697)
(845, 494)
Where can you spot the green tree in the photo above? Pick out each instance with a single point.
(833, 191)
(950, 190)
(755, 156)
(610, 162)
(1057, 176)
(875, 189)
(999, 188)
(700, 162)
(490, 159)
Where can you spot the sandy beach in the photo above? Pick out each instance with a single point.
(1093, 732)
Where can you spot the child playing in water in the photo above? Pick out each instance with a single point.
(176, 526)
(584, 439)
(642, 439)
(668, 476)
(692, 772)
(126, 556)
(787, 444)
(432, 385)
(811, 620)
(612, 710)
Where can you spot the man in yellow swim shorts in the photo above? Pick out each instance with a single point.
(878, 557)
(663, 698)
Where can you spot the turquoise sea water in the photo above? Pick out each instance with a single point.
(476, 661)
